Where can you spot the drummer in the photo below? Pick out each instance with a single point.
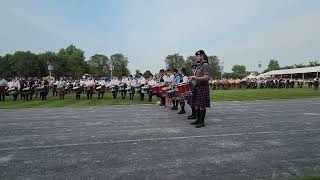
(176, 82)
(115, 84)
(151, 82)
(125, 83)
(183, 80)
(142, 83)
(77, 89)
(169, 86)
(132, 84)
(101, 87)
(160, 95)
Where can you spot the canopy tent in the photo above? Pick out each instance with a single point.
(251, 76)
(303, 71)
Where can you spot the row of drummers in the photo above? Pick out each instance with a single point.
(25, 88)
(173, 87)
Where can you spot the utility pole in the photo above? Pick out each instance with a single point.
(221, 69)
(50, 68)
(260, 66)
(111, 69)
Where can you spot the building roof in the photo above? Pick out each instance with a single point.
(292, 71)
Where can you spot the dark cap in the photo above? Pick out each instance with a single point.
(183, 70)
(194, 66)
(200, 52)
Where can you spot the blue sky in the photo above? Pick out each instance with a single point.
(238, 31)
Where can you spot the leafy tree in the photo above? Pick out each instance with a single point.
(314, 63)
(147, 74)
(240, 69)
(214, 64)
(138, 72)
(120, 63)
(273, 65)
(188, 63)
(99, 65)
(174, 61)
(72, 61)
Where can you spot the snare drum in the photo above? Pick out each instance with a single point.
(145, 89)
(112, 88)
(185, 89)
(121, 87)
(129, 90)
(137, 89)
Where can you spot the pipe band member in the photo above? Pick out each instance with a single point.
(202, 96)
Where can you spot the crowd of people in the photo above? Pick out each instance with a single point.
(262, 83)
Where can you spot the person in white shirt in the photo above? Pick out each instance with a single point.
(151, 83)
(171, 73)
(316, 83)
(183, 80)
(55, 88)
(114, 84)
(133, 84)
(61, 88)
(143, 82)
(124, 83)
(13, 88)
(100, 88)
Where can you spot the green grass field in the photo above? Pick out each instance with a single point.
(218, 95)
(264, 94)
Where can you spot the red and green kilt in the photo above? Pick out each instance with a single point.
(2, 90)
(202, 96)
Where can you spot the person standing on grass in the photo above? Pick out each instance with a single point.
(316, 83)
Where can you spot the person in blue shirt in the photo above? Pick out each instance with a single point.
(176, 82)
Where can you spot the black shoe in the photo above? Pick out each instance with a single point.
(174, 108)
(192, 117)
(161, 104)
(197, 112)
(200, 125)
(202, 115)
(195, 122)
(182, 112)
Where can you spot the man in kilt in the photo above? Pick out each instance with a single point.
(202, 95)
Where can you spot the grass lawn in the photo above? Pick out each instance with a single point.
(264, 94)
(218, 95)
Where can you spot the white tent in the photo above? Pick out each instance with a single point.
(251, 76)
(305, 70)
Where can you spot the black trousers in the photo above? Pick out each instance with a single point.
(2, 97)
(100, 95)
(114, 94)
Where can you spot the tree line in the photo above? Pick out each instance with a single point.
(274, 65)
(70, 62)
(176, 60)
